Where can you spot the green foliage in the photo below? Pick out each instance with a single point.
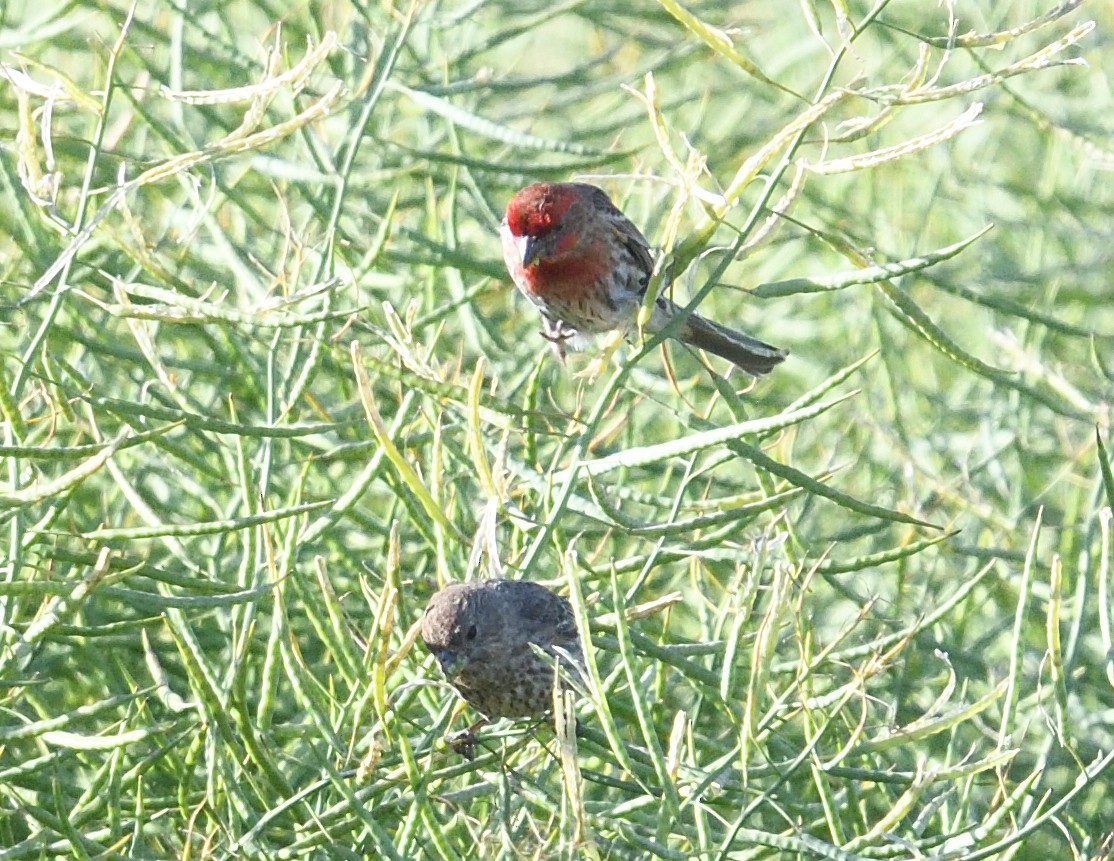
(265, 386)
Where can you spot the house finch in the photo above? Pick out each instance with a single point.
(481, 634)
(586, 267)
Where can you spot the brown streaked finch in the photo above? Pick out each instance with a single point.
(586, 267)
(484, 633)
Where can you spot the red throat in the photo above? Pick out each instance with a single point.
(568, 276)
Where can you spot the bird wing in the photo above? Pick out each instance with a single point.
(545, 612)
(629, 236)
(636, 245)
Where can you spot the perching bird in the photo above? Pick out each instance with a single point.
(481, 634)
(585, 267)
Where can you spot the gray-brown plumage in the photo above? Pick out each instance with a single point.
(481, 634)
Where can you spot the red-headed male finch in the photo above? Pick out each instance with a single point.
(585, 267)
(484, 633)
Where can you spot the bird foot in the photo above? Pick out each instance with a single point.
(558, 334)
(463, 742)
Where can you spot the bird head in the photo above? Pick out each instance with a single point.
(543, 223)
(451, 628)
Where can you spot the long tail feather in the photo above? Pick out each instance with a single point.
(751, 355)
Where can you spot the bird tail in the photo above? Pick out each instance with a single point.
(753, 356)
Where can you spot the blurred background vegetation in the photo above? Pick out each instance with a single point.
(861, 609)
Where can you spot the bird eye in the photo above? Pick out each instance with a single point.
(471, 635)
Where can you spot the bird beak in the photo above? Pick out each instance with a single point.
(451, 662)
(530, 249)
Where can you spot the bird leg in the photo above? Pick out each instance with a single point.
(557, 333)
(464, 741)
